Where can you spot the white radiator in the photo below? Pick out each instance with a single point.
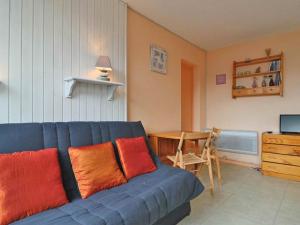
(245, 142)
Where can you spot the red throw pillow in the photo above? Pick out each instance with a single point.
(95, 168)
(135, 156)
(30, 182)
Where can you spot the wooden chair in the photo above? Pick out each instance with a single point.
(208, 154)
(215, 155)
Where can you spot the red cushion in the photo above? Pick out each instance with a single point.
(135, 156)
(30, 182)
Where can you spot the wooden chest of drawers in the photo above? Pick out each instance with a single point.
(281, 156)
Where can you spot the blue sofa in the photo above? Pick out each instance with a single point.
(159, 198)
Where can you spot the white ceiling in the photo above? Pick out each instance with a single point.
(212, 24)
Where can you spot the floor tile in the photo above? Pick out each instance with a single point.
(254, 206)
(290, 209)
(246, 198)
(222, 218)
(286, 220)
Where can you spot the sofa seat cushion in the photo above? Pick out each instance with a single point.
(142, 201)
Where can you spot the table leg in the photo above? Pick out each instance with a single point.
(155, 145)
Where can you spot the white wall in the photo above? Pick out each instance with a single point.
(44, 41)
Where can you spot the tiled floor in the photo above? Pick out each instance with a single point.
(247, 198)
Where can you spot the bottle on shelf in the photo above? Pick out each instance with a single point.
(271, 83)
(277, 79)
(254, 84)
(264, 82)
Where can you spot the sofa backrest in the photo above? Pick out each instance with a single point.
(35, 136)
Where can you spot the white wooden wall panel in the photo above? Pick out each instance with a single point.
(26, 73)
(58, 60)
(48, 60)
(67, 52)
(4, 59)
(75, 39)
(90, 60)
(38, 61)
(44, 41)
(15, 62)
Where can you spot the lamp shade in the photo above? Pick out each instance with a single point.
(103, 63)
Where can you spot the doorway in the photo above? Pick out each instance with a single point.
(187, 93)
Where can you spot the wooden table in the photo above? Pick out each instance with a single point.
(165, 143)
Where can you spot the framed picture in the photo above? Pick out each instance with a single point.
(158, 59)
(221, 79)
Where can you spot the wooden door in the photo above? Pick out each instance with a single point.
(187, 82)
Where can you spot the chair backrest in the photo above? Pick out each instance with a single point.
(179, 148)
(216, 132)
(191, 136)
(195, 135)
(213, 135)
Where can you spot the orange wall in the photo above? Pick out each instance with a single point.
(255, 113)
(153, 98)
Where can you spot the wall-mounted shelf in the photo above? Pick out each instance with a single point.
(258, 91)
(256, 74)
(259, 60)
(71, 82)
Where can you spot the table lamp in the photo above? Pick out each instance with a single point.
(104, 66)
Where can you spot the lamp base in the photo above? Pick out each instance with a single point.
(103, 77)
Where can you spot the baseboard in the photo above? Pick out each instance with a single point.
(280, 175)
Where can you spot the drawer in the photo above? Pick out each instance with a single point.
(282, 159)
(281, 175)
(280, 168)
(282, 149)
(281, 139)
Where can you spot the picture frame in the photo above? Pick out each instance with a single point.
(221, 79)
(158, 59)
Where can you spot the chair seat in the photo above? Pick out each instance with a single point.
(188, 159)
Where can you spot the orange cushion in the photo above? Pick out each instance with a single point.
(135, 156)
(30, 182)
(95, 168)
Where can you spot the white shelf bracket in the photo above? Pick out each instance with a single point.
(71, 82)
(111, 89)
(69, 87)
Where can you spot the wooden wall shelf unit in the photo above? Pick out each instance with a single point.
(281, 156)
(259, 91)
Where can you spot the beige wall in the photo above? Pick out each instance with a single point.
(253, 113)
(155, 98)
